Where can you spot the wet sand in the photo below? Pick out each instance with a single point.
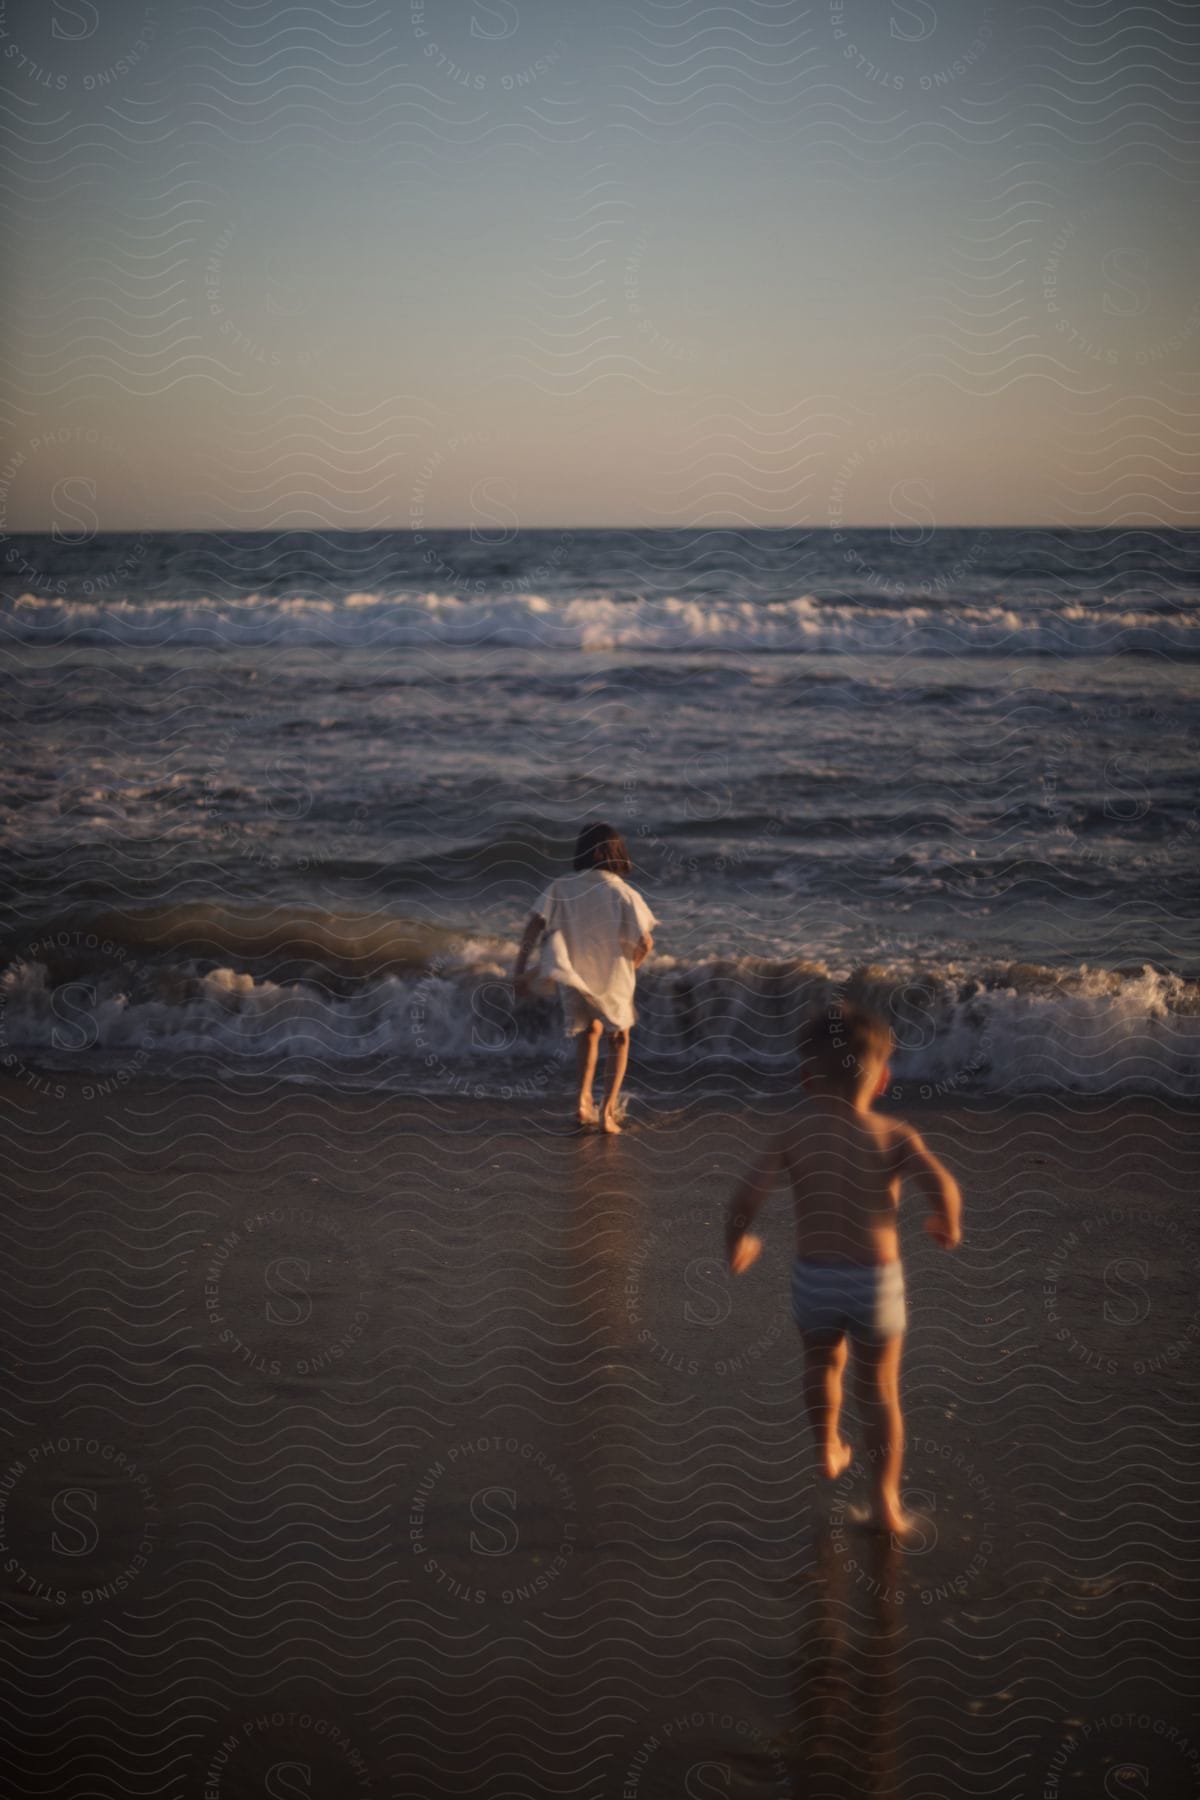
(405, 1447)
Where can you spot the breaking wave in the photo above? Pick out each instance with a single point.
(426, 1013)
(944, 627)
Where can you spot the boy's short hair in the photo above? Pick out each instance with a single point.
(844, 1044)
(601, 846)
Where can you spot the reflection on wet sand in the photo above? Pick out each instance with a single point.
(550, 1522)
(844, 1673)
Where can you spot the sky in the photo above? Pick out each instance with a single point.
(426, 263)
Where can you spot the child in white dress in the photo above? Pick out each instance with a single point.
(596, 931)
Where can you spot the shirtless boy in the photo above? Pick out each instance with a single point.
(845, 1164)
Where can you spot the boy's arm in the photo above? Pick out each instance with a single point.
(918, 1163)
(533, 931)
(749, 1197)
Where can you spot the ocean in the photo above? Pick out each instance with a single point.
(279, 803)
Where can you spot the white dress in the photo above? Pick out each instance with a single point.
(594, 922)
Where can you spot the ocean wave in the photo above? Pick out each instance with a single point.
(452, 1021)
(531, 622)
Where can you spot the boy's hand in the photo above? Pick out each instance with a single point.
(946, 1237)
(744, 1252)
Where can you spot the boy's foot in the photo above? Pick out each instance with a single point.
(892, 1516)
(608, 1124)
(837, 1460)
(586, 1113)
(886, 1519)
(902, 1525)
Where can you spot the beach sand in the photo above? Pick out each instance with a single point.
(397, 1446)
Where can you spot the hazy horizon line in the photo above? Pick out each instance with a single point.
(526, 530)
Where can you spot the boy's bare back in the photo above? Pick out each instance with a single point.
(845, 1165)
(845, 1169)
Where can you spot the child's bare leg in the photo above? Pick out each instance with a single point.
(587, 1049)
(824, 1363)
(614, 1075)
(877, 1395)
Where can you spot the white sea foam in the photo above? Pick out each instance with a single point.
(1018, 1031)
(949, 628)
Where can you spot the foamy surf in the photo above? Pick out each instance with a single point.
(448, 1015)
(947, 627)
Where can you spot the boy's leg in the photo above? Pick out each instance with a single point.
(877, 1395)
(587, 1049)
(614, 1075)
(824, 1364)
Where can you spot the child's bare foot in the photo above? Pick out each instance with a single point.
(885, 1513)
(901, 1524)
(886, 1517)
(837, 1460)
(586, 1113)
(609, 1125)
